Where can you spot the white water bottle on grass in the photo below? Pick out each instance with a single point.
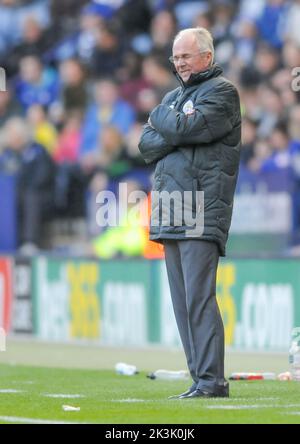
(170, 375)
(294, 354)
(126, 369)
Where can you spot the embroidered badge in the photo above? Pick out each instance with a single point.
(188, 108)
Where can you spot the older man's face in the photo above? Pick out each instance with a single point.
(188, 59)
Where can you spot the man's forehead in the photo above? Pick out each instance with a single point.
(185, 42)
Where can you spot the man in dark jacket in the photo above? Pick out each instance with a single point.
(194, 136)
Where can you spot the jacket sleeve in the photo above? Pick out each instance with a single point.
(153, 146)
(214, 117)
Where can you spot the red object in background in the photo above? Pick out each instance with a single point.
(252, 376)
(67, 149)
(6, 286)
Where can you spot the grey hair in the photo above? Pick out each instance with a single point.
(203, 38)
(19, 126)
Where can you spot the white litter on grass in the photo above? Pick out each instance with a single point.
(15, 419)
(128, 400)
(11, 391)
(62, 395)
(70, 408)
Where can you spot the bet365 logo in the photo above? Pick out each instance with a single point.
(2, 80)
(2, 340)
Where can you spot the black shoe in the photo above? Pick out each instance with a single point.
(188, 392)
(204, 394)
(222, 392)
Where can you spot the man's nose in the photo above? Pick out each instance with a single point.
(181, 62)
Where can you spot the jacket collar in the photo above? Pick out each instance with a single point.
(195, 79)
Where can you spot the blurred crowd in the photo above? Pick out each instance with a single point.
(82, 77)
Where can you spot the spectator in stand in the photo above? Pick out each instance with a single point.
(252, 10)
(245, 41)
(70, 183)
(73, 88)
(36, 84)
(223, 11)
(271, 22)
(185, 10)
(44, 133)
(109, 165)
(291, 55)
(64, 13)
(159, 75)
(280, 157)
(93, 16)
(250, 102)
(108, 52)
(292, 23)
(13, 13)
(80, 41)
(265, 65)
(8, 106)
(294, 150)
(267, 61)
(146, 99)
(134, 17)
(34, 172)
(111, 155)
(270, 109)
(132, 82)
(281, 81)
(35, 40)
(261, 152)
(163, 31)
(248, 140)
(69, 140)
(294, 133)
(8, 38)
(204, 19)
(108, 109)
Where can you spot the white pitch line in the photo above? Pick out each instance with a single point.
(128, 400)
(15, 419)
(238, 407)
(11, 391)
(23, 382)
(62, 395)
(251, 406)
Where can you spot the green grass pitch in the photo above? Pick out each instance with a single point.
(34, 395)
(38, 378)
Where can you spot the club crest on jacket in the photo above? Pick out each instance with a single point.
(188, 108)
